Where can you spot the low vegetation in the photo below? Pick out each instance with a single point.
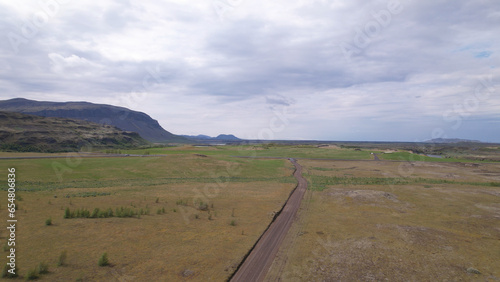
(361, 219)
(61, 261)
(103, 260)
(105, 213)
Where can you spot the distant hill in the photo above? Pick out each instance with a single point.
(452, 140)
(21, 132)
(221, 137)
(123, 118)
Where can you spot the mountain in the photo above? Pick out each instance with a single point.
(451, 140)
(221, 137)
(21, 132)
(123, 118)
(198, 137)
(227, 137)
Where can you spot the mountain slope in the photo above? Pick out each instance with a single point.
(21, 132)
(123, 118)
(220, 137)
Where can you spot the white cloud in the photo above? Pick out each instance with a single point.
(229, 75)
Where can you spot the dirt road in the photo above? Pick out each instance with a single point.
(257, 263)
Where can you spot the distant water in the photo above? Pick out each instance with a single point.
(435, 156)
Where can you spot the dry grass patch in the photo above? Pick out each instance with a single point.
(195, 243)
(395, 232)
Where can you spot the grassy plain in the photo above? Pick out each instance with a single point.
(269, 150)
(375, 221)
(200, 215)
(202, 210)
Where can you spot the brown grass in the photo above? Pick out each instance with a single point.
(174, 246)
(400, 232)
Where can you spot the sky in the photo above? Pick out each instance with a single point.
(303, 70)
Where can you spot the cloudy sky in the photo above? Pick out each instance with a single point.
(297, 69)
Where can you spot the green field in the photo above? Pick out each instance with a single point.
(192, 213)
(409, 157)
(280, 151)
(175, 217)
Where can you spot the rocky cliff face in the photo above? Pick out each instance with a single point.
(123, 118)
(22, 132)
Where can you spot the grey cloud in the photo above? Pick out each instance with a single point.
(268, 54)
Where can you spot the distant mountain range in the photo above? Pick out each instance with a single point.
(120, 117)
(221, 137)
(21, 132)
(451, 140)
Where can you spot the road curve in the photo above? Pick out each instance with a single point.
(257, 263)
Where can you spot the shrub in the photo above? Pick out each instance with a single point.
(48, 221)
(95, 213)
(7, 274)
(67, 213)
(43, 268)
(233, 223)
(109, 212)
(62, 259)
(32, 275)
(203, 206)
(103, 260)
(181, 202)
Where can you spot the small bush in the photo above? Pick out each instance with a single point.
(95, 213)
(48, 221)
(67, 213)
(157, 200)
(32, 275)
(62, 259)
(7, 274)
(103, 260)
(181, 203)
(196, 216)
(203, 206)
(233, 223)
(43, 268)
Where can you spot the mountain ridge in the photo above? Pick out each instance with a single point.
(120, 117)
(220, 137)
(32, 133)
